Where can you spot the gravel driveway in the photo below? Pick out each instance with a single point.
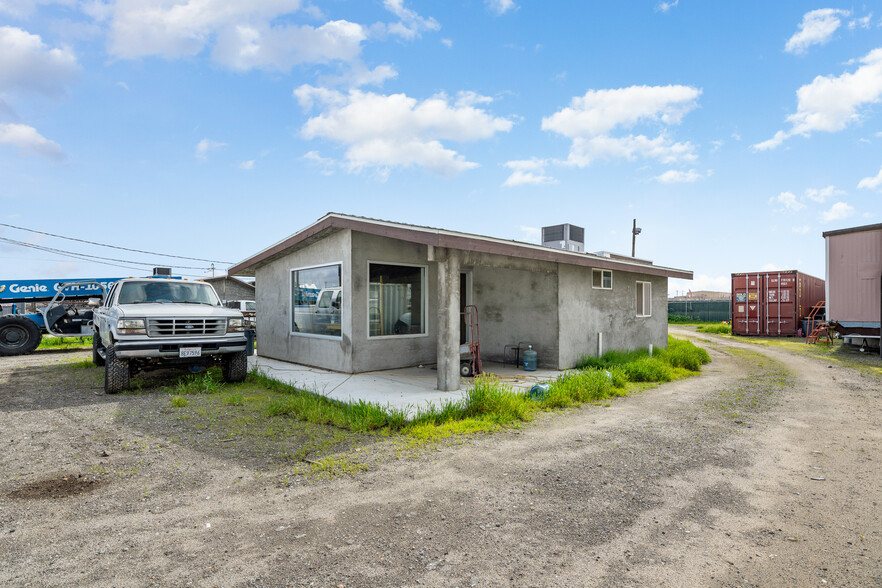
(763, 471)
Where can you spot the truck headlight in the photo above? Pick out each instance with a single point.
(131, 327)
(235, 324)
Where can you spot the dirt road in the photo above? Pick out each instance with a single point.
(764, 471)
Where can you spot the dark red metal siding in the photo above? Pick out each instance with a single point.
(773, 303)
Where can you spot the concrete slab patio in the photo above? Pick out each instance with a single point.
(404, 388)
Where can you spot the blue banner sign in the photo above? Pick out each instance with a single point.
(35, 290)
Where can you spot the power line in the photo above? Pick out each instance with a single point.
(65, 252)
(114, 246)
(89, 258)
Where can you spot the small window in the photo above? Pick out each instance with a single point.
(644, 299)
(315, 300)
(602, 279)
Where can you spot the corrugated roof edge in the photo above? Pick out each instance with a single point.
(451, 239)
(875, 227)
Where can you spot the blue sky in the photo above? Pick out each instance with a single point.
(735, 133)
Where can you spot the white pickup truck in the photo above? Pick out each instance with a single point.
(151, 323)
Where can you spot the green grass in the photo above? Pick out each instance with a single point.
(269, 423)
(718, 328)
(81, 364)
(48, 342)
(679, 319)
(665, 364)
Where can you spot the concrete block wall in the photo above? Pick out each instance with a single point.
(586, 311)
(274, 300)
(372, 353)
(232, 290)
(517, 301)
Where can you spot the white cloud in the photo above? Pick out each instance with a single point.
(531, 234)
(666, 6)
(27, 64)
(871, 182)
(29, 142)
(772, 143)
(823, 194)
(803, 230)
(832, 103)
(838, 211)
(590, 119)
(673, 176)
(242, 35)
(817, 27)
(410, 24)
(528, 171)
(247, 165)
(447, 43)
(500, 6)
(326, 165)
(396, 130)
(584, 151)
(358, 75)
(860, 23)
(205, 146)
(123, 85)
(790, 202)
(771, 267)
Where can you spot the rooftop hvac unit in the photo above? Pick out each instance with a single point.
(568, 237)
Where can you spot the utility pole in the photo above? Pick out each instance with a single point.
(212, 269)
(634, 232)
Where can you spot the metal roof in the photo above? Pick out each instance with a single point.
(333, 221)
(877, 227)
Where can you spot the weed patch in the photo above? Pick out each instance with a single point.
(719, 329)
(178, 401)
(64, 342)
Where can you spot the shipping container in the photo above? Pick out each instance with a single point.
(773, 304)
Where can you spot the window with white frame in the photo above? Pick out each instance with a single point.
(601, 279)
(316, 300)
(644, 299)
(396, 300)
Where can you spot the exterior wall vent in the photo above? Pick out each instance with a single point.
(566, 236)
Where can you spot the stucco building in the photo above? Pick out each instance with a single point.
(353, 294)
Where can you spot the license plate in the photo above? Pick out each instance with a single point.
(190, 352)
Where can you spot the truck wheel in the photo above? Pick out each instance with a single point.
(18, 335)
(235, 366)
(116, 372)
(96, 345)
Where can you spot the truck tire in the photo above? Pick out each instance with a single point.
(18, 335)
(235, 366)
(116, 372)
(96, 345)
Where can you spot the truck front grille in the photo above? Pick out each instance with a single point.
(172, 327)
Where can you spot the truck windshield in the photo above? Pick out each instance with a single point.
(167, 291)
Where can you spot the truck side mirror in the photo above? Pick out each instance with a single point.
(94, 302)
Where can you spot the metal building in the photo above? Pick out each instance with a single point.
(854, 281)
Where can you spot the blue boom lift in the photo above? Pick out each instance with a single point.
(22, 333)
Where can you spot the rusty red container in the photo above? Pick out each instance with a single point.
(773, 304)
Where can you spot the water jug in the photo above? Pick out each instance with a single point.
(531, 359)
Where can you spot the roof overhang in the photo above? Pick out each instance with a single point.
(333, 222)
(877, 227)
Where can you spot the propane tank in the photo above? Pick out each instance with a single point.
(531, 359)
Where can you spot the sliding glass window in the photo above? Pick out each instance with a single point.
(396, 300)
(316, 300)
